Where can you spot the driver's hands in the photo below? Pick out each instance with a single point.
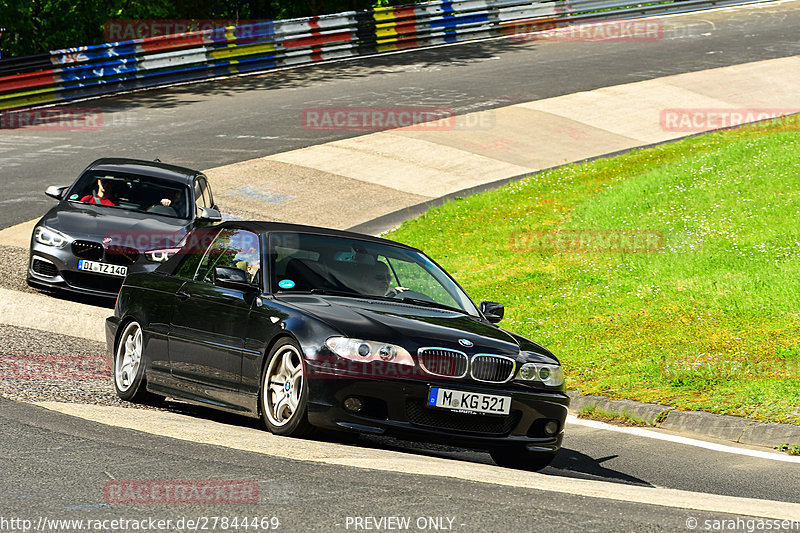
(391, 293)
(166, 202)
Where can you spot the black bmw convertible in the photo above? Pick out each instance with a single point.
(313, 328)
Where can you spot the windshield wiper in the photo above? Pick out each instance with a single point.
(427, 303)
(348, 294)
(408, 299)
(331, 292)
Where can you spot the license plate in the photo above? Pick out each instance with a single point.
(102, 268)
(473, 402)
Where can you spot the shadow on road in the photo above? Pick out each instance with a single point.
(571, 463)
(306, 76)
(567, 463)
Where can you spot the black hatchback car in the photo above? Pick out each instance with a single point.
(317, 328)
(119, 217)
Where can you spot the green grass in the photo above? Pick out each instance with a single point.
(793, 449)
(625, 418)
(708, 322)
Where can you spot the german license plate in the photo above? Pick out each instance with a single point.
(102, 268)
(474, 402)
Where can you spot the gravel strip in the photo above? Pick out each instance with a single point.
(14, 266)
(37, 366)
(14, 270)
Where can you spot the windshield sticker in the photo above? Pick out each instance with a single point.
(73, 197)
(286, 284)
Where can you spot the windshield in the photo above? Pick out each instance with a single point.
(133, 193)
(303, 262)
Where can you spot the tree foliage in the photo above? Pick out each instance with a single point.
(34, 26)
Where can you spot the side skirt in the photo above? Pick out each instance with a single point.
(203, 395)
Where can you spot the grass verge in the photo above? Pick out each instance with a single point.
(668, 275)
(595, 413)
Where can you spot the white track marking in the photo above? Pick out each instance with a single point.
(653, 434)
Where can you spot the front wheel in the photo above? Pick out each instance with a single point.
(521, 458)
(284, 392)
(128, 369)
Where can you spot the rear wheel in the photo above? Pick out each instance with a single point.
(129, 379)
(521, 458)
(284, 391)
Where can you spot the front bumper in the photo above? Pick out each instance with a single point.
(398, 407)
(53, 268)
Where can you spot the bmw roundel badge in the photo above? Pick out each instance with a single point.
(465, 342)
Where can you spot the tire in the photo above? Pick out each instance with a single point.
(128, 371)
(521, 459)
(284, 391)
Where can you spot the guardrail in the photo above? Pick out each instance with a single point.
(96, 70)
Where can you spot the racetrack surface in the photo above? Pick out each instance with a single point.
(305, 496)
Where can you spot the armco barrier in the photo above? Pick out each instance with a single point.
(101, 69)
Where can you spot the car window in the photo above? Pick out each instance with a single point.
(193, 251)
(307, 262)
(412, 276)
(132, 192)
(232, 248)
(207, 198)
(200, 195)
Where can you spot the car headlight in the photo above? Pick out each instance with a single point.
(50, 237)
(361, 350)
(550, 375)
(159, 256)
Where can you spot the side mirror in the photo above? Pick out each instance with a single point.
(54, 191)
(207, 213)
(232, 278)
(493, 311)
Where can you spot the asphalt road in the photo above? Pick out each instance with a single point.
(211, 124)
(47, 474)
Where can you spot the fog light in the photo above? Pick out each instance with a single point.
(353, 404)
(551, 428)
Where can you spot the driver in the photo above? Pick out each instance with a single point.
(170, 198)
(378, 280)
(105, 191)
(168, 204)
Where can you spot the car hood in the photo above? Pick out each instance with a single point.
(413, 326)
(143, 231)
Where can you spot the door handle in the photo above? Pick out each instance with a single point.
(183, 295)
